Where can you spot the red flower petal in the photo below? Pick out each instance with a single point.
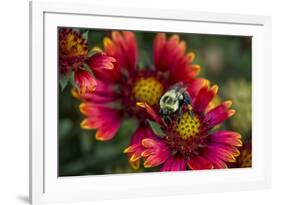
(106, 120)
(227, 137)
(123, 47)
(174, 163)
(219, 114)
(150, 143)
(204, 97)
(85, 81)
(132, 50)
(155, 160)
(104, 93)
(186, 73)
(158, 45)
(214, 159)
(101, 61)
(102, 66)
(158, 152)
(196, 86)
(135, 149)
(168, 54)
(199, 163)
(107, 131)
(223, 152)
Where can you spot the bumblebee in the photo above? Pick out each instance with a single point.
(173, 101)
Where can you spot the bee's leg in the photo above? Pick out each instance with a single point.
(167, 120)
(180, 114)
(186, 99)
(190, 112)
(187, 102)
(170, 119)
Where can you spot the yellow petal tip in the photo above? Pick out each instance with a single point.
(228, 103)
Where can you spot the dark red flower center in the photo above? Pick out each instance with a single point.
(73, 50)
(187, 134)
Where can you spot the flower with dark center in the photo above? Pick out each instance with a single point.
(119, 89)
(245, 158)
(73, 54)
(190, 142)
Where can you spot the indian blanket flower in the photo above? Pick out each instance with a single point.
(119, 89)
(245, 158)
(190, 142)
(73, 55)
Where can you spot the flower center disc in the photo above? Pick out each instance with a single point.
(148, 89)
(188, 128)
(75, 45)
(246, 157)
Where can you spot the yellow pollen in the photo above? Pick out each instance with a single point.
(188, 128)
(75, 45)
(246, 159)
(148, 89)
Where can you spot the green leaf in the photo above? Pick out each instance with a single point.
(64, 79)
(156, 128)
(85, 35)
(72, 80)
(87, 68)
(91, 53)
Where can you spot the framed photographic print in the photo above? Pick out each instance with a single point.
(127, 103)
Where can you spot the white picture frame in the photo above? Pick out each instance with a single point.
(46, 186)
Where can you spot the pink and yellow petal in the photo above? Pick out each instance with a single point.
(158, 152)
(168, 54)
(135, 149)
(90, 123)
(85, 81)
(103, 93)
(135, 164)
(106, 120)
(196, 86)
(204, 97)
(101, 61)
(149, 143)
(123, 47)
(186, 74)
(190, 56)
(223, 152)
(108, 131)
(227, 137)
(147, 152)
(156, 160)
(219, 114)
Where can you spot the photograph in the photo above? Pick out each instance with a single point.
(140, 101)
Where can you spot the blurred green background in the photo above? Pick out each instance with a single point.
(225, 61)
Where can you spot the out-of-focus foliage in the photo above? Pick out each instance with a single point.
(225, 61)
(239, 91)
